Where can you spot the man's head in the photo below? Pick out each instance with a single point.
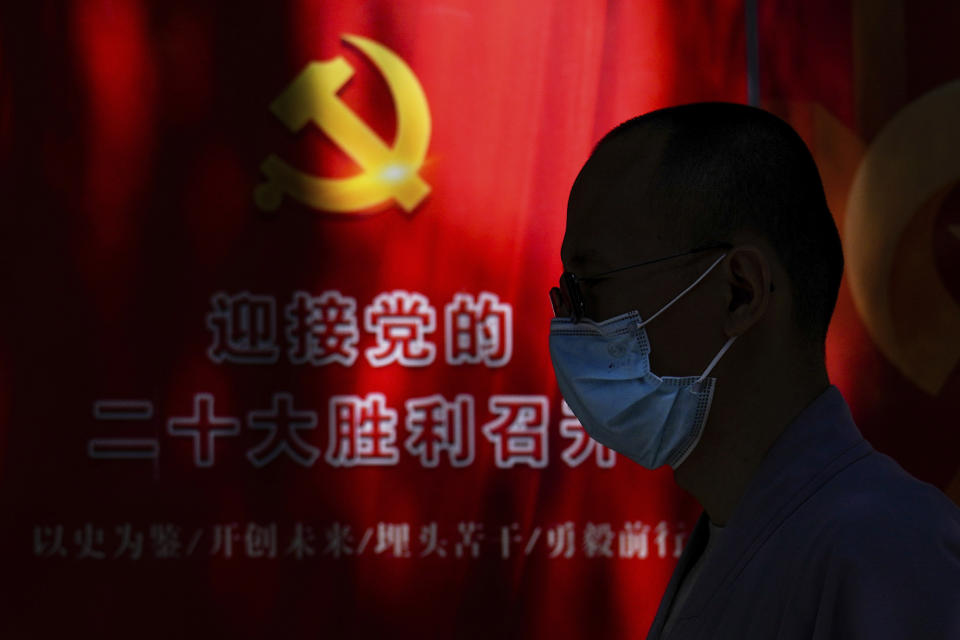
(687, 177)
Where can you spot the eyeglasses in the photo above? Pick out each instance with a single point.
(567, 300)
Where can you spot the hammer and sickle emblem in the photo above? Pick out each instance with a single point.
(388, 172)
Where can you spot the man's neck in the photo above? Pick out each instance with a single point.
(740, 430)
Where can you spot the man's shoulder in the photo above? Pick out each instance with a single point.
(877, 554)
(875, 507)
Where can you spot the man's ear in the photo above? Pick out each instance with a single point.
(750, 283)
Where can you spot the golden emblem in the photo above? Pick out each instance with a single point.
(389, 172)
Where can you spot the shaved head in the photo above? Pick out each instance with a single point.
(700, 174)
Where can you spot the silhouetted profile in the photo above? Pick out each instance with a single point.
(701, 270)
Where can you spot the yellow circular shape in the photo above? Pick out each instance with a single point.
(915, 157)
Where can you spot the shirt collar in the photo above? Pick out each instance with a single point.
(815, 446)
(817, 437)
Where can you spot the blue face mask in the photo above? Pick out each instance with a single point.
(603, 370)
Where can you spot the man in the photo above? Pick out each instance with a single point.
(701, 269)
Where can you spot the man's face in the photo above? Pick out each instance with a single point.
(614, 219)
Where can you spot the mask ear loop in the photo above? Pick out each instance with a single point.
(716, 358)
(684, 292)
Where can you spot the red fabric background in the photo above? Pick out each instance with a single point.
(131, 136)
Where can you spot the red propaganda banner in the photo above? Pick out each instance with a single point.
(874, 88)
(274, 362)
